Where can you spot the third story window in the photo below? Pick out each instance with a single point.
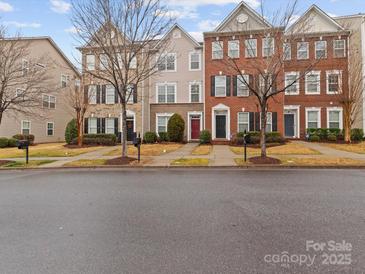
(49, 101)
(268, 46)
(302, 50)
(287, 51)
(321, 49)
(234, 49)
(217, 50)
(251, 48)
(339, 48)
(90, 62)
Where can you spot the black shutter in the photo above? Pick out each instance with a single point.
(116, 96)
(103, 125)
(86, 94)
(98, 125)
(274, 121)
(228, 86)
(86, 125)
(252, 121)
(234, 85)
(257, 121)
(212, 91)
(251, 83)
(116, 126)
(135, 98)
(103, 94)
(98, 94)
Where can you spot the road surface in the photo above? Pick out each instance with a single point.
(182, 221)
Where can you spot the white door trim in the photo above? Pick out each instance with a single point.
(194, 113)
(221, 107)
(296, 121)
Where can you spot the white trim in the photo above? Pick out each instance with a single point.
(166, 84)
(200, 91)
(225, 86)
(106, 95)
(306, 116)
(238, 123)
(318, 92)
(302, 42)
(297, 120)
(230, 42)
(196, 113)
(263, 48)
(345, 53)
(221, 44)
(336, 72)
(87, 63)
(67, 79)
(165, 55)
(247, 48)
(161, 115)
(340, 109)
(183, 30)
(297, 83)
(221, 107)
(47, 129)
(200, 60)
(315, 50)
(130, 113)
(30, 126)
(49, 101)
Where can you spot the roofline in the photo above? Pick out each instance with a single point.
(242, 3)
(350, 16)
(53, 43)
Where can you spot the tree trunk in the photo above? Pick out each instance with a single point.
(79, 130)
(263, 131)
(1, 117)
(347, 125)
(124, 131)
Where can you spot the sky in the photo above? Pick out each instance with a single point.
(52, 17)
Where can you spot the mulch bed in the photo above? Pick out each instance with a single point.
(120, 161)
(5, 162)
(264, 161)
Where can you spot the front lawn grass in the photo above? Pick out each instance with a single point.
(321, 161)
(22, 164)
(241, 162)
(46, 150)
(147, 149)
(286, 149)
(202, 150)
(85, 163)
(355, 148)
(190, 162)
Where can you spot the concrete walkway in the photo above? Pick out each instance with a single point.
(166, 159)
(222, 156)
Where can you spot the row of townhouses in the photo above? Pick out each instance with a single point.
(195, 82)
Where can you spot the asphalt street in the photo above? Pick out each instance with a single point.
(182, 221)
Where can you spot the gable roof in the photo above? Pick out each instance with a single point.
(315, 8)
(176, 25)
(252, 12)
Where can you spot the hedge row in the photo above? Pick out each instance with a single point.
(98, 139)
(333, 134)
(29, 137)
(7, 142)
(253, 137)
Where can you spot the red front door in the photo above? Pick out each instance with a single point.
(195, 128)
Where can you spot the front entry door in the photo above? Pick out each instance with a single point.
(130, 130)
(220, 126)
(195, 127)
(289, 125)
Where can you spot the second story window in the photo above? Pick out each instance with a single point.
(90, 62)
(251, 48)
(166, 93)
(313, 82)
(217, 50)
(339, 48)
(104, 64)
(268, 46)
(321, 49)
(92, 95)
(242, 87)
(194, 92)
(109, 94)
(167, 62)
(292, 83)
(287, 51)
(194, 61)
(234, 49)
(302, 50)
(25, 67)
(64, 80)
(49, 101)
(220, 86)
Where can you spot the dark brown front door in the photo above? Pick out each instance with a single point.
(130, 130)
(195, 128)
(220, 124)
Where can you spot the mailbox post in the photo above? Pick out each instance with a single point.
(245, 145)
(137, 143)
(24, 144)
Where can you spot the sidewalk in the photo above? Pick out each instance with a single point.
(166, 159)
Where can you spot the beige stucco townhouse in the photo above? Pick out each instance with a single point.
(49, 121)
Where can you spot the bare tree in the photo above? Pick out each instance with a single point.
(266, 79)
(23, 79)
(124, 34)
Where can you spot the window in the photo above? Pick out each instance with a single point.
(194, 92)
(109, 125)
(92, 95)
(90, 62)
(49, 101)
(109, 94)
(287, 51)
(334, 80)
(25, 67)
(93, 126)
(167, 62)
(339, 48)
(133, 61)
(129, 94)
(268, 46)
(166, 93)
(313, 118)
(242, 87)
(50, 129)
(265, 82)
(220, 86)
(162, 121)
(243, 122)
(269, 122)
(217, 50)
(20, 94)
(251, 48)
(234, 49)
(302, 50)
(64, 80)
(104, 63)
(25, 127)
(321, 49)
(194, 61)
(292, 83)
(312, 82)
(334, 118)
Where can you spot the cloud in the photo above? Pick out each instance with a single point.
(22, 25)
(196, 3)
(208, 25)
(184, 13)
(72, 30)
(5, 7)
(60, 6)
(198, 36)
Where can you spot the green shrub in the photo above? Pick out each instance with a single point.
(12, 142)
(4, 142)
(322, 133)
(274, 137)
(335, 131)
(357, 134)
(175, 128)
(71, 131)
(163, 137)
(314, 138)
(253, 137)
(98, 139)
(205, 137)
(29, 137)
(332, 137)
(312, 131)
(150, 137)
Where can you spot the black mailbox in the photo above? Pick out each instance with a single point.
(137, 141)
(22, 144)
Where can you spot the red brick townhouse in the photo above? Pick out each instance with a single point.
(311, 103)
(229, 106)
